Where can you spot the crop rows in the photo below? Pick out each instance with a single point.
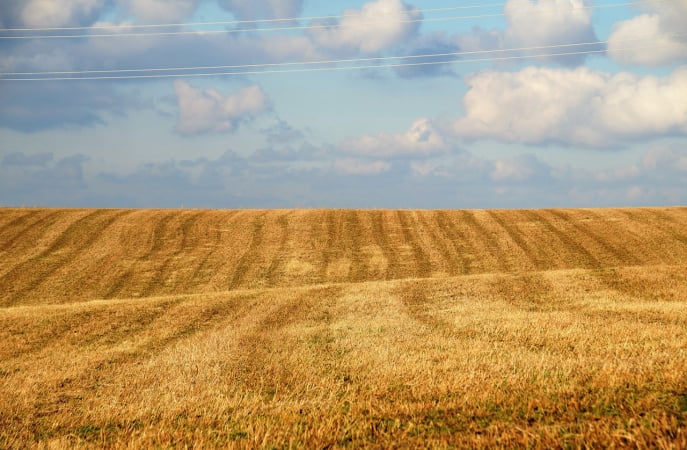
(52, 256)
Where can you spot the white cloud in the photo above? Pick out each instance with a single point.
(379, 25)
(160, 11)
(211, 112)
(576, 107)
(463, 167)
(422, 139)
(617, 174)
(32, 107)
(350, 166)
(59, 13)
(519, 168)
(662, 157)
(263, 9)
(427, 168)
(435, 42)
(537, 24)
(281, 48)
(547, 23)
(654, 33)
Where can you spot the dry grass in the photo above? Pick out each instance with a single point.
(557, 328)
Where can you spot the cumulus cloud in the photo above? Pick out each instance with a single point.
(19, 159)
(149, 51)
(462, 168)
(282, 133)
(53, 13)
(549, 23)
(422, 139)
(518, 169)
(263, 9)
(433, 43)
(39, 180)
(665, 158)
(573, 106)
(160, 11)
(351, 166)
(447, 181)
(617, 174)
(658, 27)
(209, 111)
(379, 25)
(532, 25)
(34, 107)
(61, 13)
(538, 24)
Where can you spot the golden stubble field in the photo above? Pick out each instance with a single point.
(343, 328)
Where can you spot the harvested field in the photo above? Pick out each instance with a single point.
(336, 328)
(65, 256)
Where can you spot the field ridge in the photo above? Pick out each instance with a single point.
(83, 254)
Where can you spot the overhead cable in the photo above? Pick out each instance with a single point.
(333, 68)
(308, 27)
(242, 22)
(326, 62)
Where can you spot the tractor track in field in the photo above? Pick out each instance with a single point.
(281, 254)
(458, 241)
(438, 242)
(489, 246)
(30, 229)
(570, 244)
(622, 256)
(213, 246)
(379, 233)
(33, 272)
(668, 223)
(155, 328)
(423, 265)
(330, 233)
(184, 230)
(417, 305)
(256, 241)
(161, 252)
(155, 245)
(531, 253)
(17, 222)
(353, 232)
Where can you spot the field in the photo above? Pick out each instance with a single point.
(343, 328)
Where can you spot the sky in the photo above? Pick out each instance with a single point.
(333, 104)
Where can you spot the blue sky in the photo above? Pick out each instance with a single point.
(603, 128)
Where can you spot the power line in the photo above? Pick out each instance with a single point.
(311, 26)
(241, 22)
(323, 69)
(324, 62)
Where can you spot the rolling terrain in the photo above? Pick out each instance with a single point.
(334, 328)
(55, 256)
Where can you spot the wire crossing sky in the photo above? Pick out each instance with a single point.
(368, 104)
(194, 71)
(375, 21)
(291, 19)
